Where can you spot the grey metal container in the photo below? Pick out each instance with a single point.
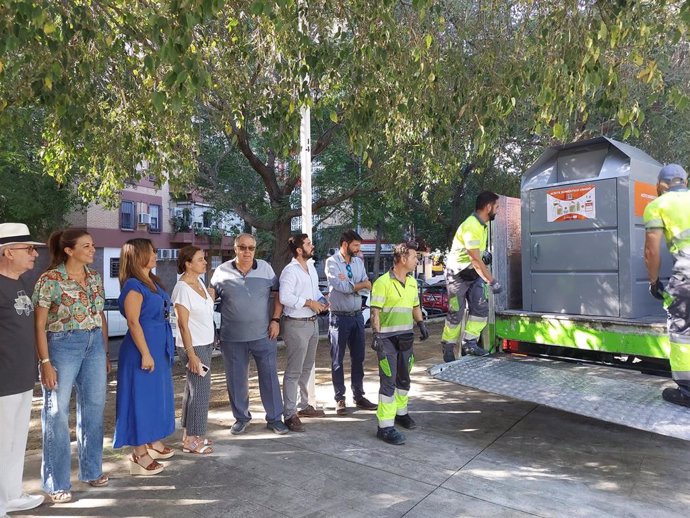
(582, 230)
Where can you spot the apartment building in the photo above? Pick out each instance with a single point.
(148, 211)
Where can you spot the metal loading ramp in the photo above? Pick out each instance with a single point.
(614, 395)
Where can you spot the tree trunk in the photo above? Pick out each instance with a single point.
(282, 229)
(377, 251)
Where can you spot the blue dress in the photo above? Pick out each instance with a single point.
(145, 410)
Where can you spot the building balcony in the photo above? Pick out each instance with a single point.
(203, 241)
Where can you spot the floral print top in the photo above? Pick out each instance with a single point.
(70, 305)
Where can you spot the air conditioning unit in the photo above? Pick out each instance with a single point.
(144, 218)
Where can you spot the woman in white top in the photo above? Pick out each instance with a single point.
(194, 338)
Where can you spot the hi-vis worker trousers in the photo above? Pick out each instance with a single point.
(395, 363)
(461, 294)
(679, 329)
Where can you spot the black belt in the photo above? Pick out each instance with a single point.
(303, 319)
(347, 313)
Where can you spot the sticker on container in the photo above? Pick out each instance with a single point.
(644, 193)
(571, 203)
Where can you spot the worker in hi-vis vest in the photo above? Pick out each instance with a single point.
(668, 217)
(394, 310)
(467, 275)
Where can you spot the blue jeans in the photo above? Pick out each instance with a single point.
(79, 358)
(347, 331)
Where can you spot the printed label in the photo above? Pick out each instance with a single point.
(644, 193)
(571, 203)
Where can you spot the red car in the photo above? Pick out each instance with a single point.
(435, 298)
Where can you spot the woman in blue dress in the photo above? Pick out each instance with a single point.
(145, 412)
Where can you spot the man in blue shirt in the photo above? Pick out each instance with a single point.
(347, 282)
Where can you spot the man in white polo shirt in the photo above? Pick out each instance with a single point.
(299, 295)
(244, 286)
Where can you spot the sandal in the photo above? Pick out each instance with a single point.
(198, 447)
(137, 468)
(185, 437)
(101, 481)
(155, 454)
(61, 497)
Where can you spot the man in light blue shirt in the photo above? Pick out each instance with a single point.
(347, 279)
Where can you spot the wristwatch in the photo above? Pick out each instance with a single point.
(41, 362)
(275, 319)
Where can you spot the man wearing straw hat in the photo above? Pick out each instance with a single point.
(17, 363)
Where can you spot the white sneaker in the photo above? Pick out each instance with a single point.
(24, 502)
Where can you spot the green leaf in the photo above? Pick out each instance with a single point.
(333, 116)
(158, 101)
(49, 28)
(429, 40)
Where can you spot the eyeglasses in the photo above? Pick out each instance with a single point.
(349, 271)
(30, 249)
(166, 309)
(246, 248)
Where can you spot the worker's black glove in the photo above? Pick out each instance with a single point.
(656, 289)
(496, 287)
(487, 258)
(377, 343)
(423, 331)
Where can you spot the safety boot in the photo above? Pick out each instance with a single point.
(674, 395)
(448, 353)
(405, 421)
(390, 435)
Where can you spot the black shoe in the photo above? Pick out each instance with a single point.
(390, 435)
(405, 421)
(364, 404)
(675, 396)
(448, 353)
(474, 351)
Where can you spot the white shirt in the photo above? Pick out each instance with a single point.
(200, 309)
(296, 286)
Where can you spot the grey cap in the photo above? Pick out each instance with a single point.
(670, 172)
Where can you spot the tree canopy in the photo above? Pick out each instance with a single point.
(419, 93)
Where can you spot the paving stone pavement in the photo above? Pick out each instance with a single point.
(473, 454)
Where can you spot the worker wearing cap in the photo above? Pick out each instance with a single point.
(669, 216)
(467, 274)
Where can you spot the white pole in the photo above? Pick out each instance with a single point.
(305, 162)
(305, 138)
(305, 177)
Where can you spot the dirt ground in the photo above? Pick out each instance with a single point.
(219, 395)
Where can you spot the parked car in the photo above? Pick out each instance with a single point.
(435, 298)
(117, 324)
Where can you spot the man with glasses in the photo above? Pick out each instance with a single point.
(245, 285)
(17, 363)
(347, 282)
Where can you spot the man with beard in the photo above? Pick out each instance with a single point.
(467, 275)
(299, 295)
(347, 277)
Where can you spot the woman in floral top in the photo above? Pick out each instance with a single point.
(72, 345)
